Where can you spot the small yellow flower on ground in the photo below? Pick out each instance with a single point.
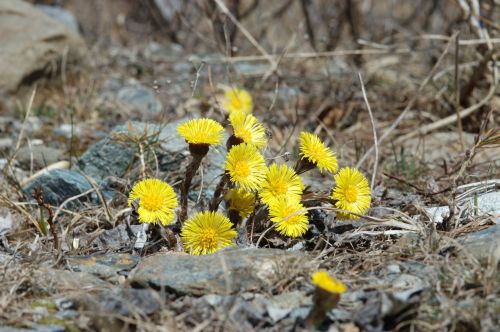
(281, 181)
(206, 232)
(323, 280)
(240, 200)
(201, 131)
(157, 201)
(247, 128)
(351, 193)
(289, 215)
(315, 151)
(237, 100)
(246, 166)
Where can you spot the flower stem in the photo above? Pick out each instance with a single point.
(186, 183)
(214, 203)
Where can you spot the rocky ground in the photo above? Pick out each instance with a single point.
(96, 101)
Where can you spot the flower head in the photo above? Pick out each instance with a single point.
(237, 100)
(247, 128)
(287, 213)
(157, 201)
(281, 181)
(351, 193)
(246, 166)
(323, 280)
(201, 131)
(315, 151)
(206, 232)
(240, 200)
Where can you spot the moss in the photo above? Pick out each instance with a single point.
(50, 320)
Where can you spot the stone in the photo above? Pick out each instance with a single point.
(106, 158)
(488, 203)
(281, 305)
(225, 272)
(61, 15)
(110, 158)
(60, 184)
(484, 244)
(31, 43)
(56, 281)
(41, 156)
(110, 265)
(139, 98)
(127, 301)
(114, 239)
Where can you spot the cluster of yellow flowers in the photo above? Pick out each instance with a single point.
(248, 182)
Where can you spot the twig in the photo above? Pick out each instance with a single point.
(38, 195)
(409, 105)
(375, 144)
(457, 93)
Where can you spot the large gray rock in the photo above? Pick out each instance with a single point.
(484, 244)
(108, 265)
(60, 184)
(31, 43)
(226, 272)
(60, 14)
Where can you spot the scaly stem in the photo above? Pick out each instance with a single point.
(214, 203)
(186, 183)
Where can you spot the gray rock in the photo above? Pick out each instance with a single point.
(40, 155)
(60, 184)
(483, 244)
(48, 41)
(280, 306)
(229, 271)
(139, 98)
(106, 158)
(488, 203)
(109, 265)
(56, 281)
(113, 239)
(127, 301)
(61, 15)
(68, 130)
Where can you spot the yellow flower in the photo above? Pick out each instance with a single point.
(351, 193)
(281, 181)
(315, 151)
(240, 200)
(285, 212)
(206, 232)
(201, 131)
(323, 280)
(247, 128)
(237, 100)
(246, 166)
(157, 201)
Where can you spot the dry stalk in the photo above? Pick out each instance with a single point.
(375, 141)
(38, 195)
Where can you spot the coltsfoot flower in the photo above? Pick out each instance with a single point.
(237, 100)
(286, 212)
(157, 201)
(281, 181)
(323, 280)
(246, 166)
(314, 151)
(248, 129)
(241, 201)
(206, 232)
(201, 131)
(351, 193)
